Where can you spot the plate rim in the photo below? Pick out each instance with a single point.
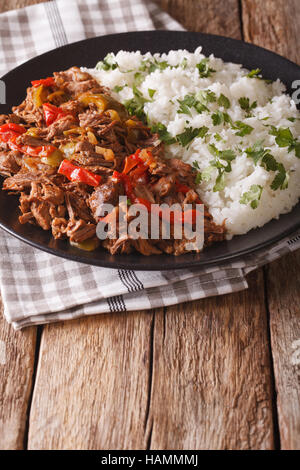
(154, 31)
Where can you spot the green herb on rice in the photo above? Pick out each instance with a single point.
(108, 63)
(204, 69)
(165, 136)
(135, 105)
(252, 196)
(260, 154)
(285, 138)
(247, 106)
(118, 88)
(222, 162)
(189, 134)
(223, 101)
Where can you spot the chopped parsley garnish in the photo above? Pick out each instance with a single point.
(221, 156)
(198, 178)
(256, 152)
(223, 101)
(184, 139)
(281, 179)
(220, 182)
(108, 63)
(206, 96)
(204, 69)
(184, 63)
(252, 196)
(226, 155)
(118, 88)
(267, 161)
(151, 92)
(138, 78)
(254, 73)
(246, 106)
(207, 173)
(189, 134)
(186, 104)
(135, 106)
(217, 137)
(285, 138)
(196, 168)
(150, 66)
(198, 102)
(219, 118)
(163, 133)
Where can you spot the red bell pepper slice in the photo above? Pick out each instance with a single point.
(126, 180)
(11, 126)
(10, 131)
(49, 81)
(51, 113)
(77, 174)
(128, 187)
(117, 176)
(131, 161)
(139, 175)
(182, 188)
(136, 167)
(40, 151)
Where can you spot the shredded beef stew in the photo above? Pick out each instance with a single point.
(69, 148)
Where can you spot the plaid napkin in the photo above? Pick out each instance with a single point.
(40, 288)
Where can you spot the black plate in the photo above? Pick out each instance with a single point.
(87, 53)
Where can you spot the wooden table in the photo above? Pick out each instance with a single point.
(218, 373)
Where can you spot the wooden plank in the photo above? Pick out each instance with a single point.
(206, 16)
(273, 24)
(92, 385)
(16, 370)
(211, 386)
(283, 276)
(283, 286)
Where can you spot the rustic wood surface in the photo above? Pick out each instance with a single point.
(275, 25)
(219, 373)
(17, 353)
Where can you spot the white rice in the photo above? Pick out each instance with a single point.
(173, 84)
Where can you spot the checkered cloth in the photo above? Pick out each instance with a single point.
(40, 288)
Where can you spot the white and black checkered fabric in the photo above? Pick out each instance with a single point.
(40, 288)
